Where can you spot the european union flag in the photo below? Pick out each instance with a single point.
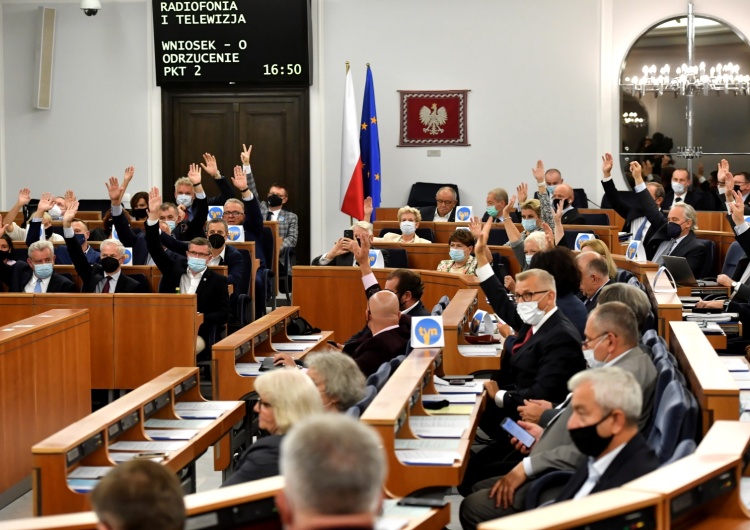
(369, 144)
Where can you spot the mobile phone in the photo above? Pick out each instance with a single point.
(333, 343)
(349, 234)
(515, 430)
(423, 501)
(464, 378)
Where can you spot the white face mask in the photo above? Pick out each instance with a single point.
(407, 228)
(591, 359)
(678, 188)
(184, 199)
(55, 212)
(529, 312)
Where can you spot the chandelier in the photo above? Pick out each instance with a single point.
(689, 80)
(631, 119)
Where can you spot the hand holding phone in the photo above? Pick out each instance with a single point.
(518, 432)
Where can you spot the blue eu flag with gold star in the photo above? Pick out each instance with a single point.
(369, 144)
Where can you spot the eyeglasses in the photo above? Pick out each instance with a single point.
(585, 343)
(228, 212)
(527, 297)
(198, 254)
(439, 201)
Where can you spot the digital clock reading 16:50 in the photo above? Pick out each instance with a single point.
(280, 69)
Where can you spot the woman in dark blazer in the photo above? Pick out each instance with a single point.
(285, 396)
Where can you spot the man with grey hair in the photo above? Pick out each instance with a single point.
(446, 200)
(338, 378)
(594, 276)
(35, 275)
(184, 194)
(673, 236)
(334, 469)
(342, 255)
(105, 276)
(634, 298)
(606, 407)
(497, 200)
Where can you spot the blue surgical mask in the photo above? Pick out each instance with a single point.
(529, 224)
(457, 254)
(184, 199)
(196, 264)
(678, 188)
(43, 270)
(171, 225)
(551, 188)
(81, 238)
(492, 211)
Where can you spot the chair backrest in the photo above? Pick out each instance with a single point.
(444, 301)
(685, 448)
(497, 237)
(437, 310)
(580, 199)
(423, 194)
(353, 412)
(396, 362)
(708, 264)
(665, 374)
(370, 393)
(141, 278)
(397, 258)
(500, 265)
(675, 417)
(269, 245)
(379, 378)
(596, 218)
(733, 257)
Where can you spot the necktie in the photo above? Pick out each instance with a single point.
(524, 341)
(677, 199)
(667, 249)
(269, 216)
(639, 233)
(107, 279)
(38, 286)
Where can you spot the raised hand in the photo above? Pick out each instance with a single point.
(729, 186)
(523, 192)
(538, 172)
(368, 209)
(154, 202)
(558, 213)
(549, 236)
(738, 209)
(128, 176)
(245, 154)
(506, 210)
(239, 179)
(45, 203)
(361, 252)
(636, 171)
(70, 214)
(510, 283)
(607, 163)
(3, 227)
(210, 164)
(722, 168)
(194, 174)
(114, 190)
(475, 226)
(69, 197)
(24, 196)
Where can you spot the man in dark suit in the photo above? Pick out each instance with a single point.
(497, 200)
(611, 340)
(445, 210)
(105, 276)
(184, 192)
(189, 275)
(341, 255)
(594, 276)
(35, 275)
(681, 193)
(673, 236)
(636, 221)
(606, 431)
(564, 194)
(388, 338)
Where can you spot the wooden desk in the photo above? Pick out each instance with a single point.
(608, 509)
(710, 381)
(273, 261)
(455, 324)
(243, 345)
(638, 268)
(44, 385)
(667, 305)
(86, 442)
(389, 415)
(314, 286)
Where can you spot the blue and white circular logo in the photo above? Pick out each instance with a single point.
(234, 233)
(215, 212)
(128, 257)
(428, 331)
(463, 214)
(632, 250)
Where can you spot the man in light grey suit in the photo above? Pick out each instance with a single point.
(611, 339)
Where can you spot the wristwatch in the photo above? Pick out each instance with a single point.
(734, 285)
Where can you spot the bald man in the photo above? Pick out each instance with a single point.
(564, 194)
(388, 339)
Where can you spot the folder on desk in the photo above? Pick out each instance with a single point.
(89, 472)
(81, 485)
(156, 423)
(144, 446)
(428, 458)
(453, 399)
(248, 369)
(478, 350)
(171, 434)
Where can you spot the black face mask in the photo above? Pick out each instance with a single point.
(588, 441)
(139, 213)
(673, 230)
(110, 264)
(738, 188)
(555, 202)
(216, 240)
(48, 232)
(5, 254)
(274, 200)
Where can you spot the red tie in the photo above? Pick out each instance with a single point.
(525, 339)
(107, 279)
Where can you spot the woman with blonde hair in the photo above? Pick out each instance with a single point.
(285, 396)
(408, 219)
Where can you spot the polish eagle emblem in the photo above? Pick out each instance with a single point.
(433, 119)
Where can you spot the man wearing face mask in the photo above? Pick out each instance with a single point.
(189, 274)
(673, 236)
(564, 194)
(681, 193)
(184, 192)
(497, 200)
(105, 276)
(35, 275)
(612, 342)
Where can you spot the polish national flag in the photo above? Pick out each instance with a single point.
(352, 188)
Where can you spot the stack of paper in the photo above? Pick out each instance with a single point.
(710, 317)
(472, 387)
(90, 472)
(248, 369)
(478, 350)
(428, 458)
(453, 399)
(171, 434)
(439, 426)
(156, 423)
(146, 447)
(199, 410)
(306, 338)
(81, 485)
(735, 364)
(290, 346)
(119, 458)
(435, 445)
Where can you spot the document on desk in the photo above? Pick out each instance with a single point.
(90, 472)
(391, 523)
(119, 458)
(735, 364)
(200, 414)
(248, 369)
(305, 338)
(289, 346)
(710, 317)
(428, 458)
(171, 434)
(439, 426)
(155, 423)
(82, 485)
(392, 509)
(462, 409)
(472, 387)
(147, 446)
(479, 350)
(435, 445)
(453, 399)
(205, 405)
(740, 376)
